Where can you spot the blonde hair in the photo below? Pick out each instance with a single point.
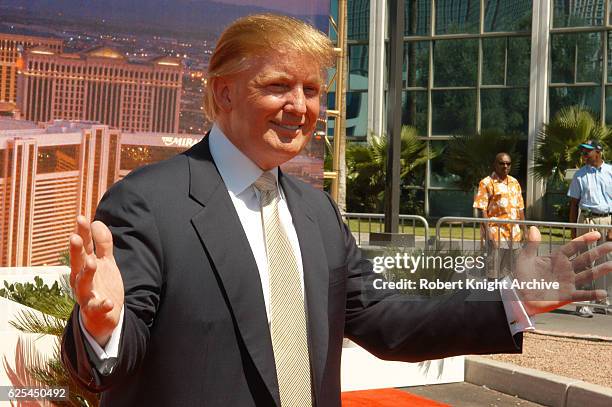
(259, 35)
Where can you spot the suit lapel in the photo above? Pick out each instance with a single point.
(223, 238)
(316, 277)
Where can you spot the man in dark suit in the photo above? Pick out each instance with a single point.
(213, 279)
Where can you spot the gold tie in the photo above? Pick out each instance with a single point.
(287, 311)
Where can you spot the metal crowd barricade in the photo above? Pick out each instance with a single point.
(554, 234)
(363, 224)
(463, 233)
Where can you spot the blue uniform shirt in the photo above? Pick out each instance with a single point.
(593, 188)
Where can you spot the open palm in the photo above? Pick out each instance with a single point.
(95, 279)
(569, 267)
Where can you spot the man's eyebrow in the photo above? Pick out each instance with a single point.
(273, 76)
(281, 76)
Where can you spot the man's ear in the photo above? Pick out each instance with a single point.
(221, 89)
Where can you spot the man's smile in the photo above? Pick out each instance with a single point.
(287, 126)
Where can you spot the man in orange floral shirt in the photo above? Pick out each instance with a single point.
(499, 196)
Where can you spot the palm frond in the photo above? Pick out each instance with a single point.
(38, 323)
(414, 152)
(51, 309)
(366, 167)
(58, 307)
(53, 374)
(557, 143)
(25, 355)
(34, 370)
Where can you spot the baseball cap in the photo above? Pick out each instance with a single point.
(592, 145)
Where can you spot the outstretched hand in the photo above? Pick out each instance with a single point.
(570, 266)
(95, 279)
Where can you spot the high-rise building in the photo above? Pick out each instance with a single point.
(592, 11)
(50, 175)
(101, 85)
(571, 13)
(358, 15)
(452, 14)
(503, 15)
(417, 16)
(11, 46)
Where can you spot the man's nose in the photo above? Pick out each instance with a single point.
(296, 101)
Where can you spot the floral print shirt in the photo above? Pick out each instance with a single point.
(501, 199)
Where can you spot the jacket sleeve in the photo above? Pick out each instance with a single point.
(410, 328)
(138, 253)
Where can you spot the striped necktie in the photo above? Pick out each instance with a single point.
(287, 311)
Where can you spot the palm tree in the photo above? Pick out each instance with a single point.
(557, 144)
(470, 156)
(54, 305)
(366, 165)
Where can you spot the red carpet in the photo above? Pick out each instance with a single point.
(386, 398)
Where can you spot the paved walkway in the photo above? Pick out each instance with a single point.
(468, 395)
(565, 321)
(562, 321)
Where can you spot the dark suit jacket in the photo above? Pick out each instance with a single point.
(195, 330)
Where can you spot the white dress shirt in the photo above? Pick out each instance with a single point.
(239, 173)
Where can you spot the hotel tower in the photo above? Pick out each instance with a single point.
(101, 85)
(11, 46)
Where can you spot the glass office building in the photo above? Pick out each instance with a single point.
(472, 65)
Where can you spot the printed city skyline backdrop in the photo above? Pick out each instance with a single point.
(142, 30)
(90, 90)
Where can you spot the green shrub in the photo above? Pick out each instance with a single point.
(54, 300)
(56, 304)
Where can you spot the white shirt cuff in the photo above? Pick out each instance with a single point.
(518, 319)
(111, 350)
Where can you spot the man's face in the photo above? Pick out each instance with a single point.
(589, 156)
(273, 108)
(502, 166)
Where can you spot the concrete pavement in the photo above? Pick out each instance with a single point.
(498, 384)
(468, 395)
(564, 321)
(548, 389)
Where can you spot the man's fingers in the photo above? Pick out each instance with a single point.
(83, 229)
(84, 280)
(76, 257)
(97, 305)
(103, 239)
(533, 234)
(92, 304)
(587, 259)
(533, 242)
(579, 244)
(588, 295)
(587, 276)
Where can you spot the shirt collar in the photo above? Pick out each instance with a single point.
(593, 168)
(236, 169)
(496, 177)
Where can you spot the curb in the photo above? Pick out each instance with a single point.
(534, 385)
